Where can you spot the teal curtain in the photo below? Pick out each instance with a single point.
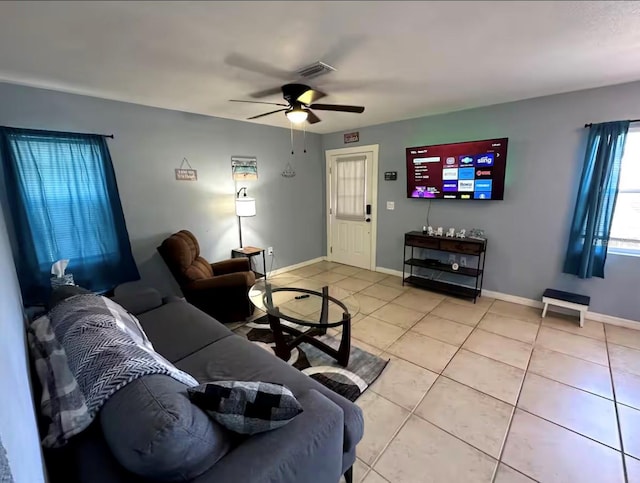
(64, 204)
(591, 226)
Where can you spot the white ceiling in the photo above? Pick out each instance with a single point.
(399, 59)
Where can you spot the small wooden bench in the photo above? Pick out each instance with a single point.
(568, 300)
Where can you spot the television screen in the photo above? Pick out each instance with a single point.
(472, 170)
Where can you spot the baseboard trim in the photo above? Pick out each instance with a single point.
(516, 299)
(389, 271)
(289, 268)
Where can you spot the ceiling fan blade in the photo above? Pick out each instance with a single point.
(310, 96)
(312, 118)
(260, 102)
(253, 65)
(337, 107)
(266, 92)
(266, 114)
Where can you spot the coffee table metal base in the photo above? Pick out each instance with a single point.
(283, 348)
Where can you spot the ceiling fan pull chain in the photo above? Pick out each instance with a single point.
(304, 138)
(291, 128)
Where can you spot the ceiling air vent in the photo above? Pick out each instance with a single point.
(315, 70)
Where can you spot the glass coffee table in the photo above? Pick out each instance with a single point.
(303, 314)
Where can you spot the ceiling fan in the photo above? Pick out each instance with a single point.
(300, 100)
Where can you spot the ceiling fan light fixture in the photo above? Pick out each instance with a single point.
(297, 115)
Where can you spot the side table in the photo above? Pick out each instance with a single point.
(251, 252)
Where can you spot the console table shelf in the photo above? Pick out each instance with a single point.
(470, 283)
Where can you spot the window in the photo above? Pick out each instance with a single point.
(625, 228)
(350, 181)
(64, 204)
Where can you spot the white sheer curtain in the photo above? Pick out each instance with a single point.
(350, 187)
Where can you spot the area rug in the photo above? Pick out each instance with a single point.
(351, 381)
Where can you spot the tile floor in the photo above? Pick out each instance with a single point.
(487, 392)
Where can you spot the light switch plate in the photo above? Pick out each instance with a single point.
(391, 205)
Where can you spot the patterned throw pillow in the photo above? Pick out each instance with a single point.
(246, 407)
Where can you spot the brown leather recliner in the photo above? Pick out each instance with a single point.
(219, 289)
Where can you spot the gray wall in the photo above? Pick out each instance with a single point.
(150, 143)
(18, 430)
(528, 231)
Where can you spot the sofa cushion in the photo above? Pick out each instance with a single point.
(246, 407)
(154, 430)
(235, 358)
(135, 299)
(178, 329)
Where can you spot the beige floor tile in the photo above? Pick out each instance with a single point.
(627, 388)
(347, 270)
(509, 327)
(403, 383)
(422, 302)
(360, 470)
(370, 275)
(376, 332)
(486, 375)
(328, 277)
(382, 292)
(382, 419)
(624, 359)
(633, 469)
(571, 324)
(393, 281)
(623, 336)
(484, 302)
(423, 453)
(308, 284)
(398, 315)
(630, 428)
(517, 311)
(376, 351)
(308, 271)
(505, 474)
(459, 313)
(478, 419)
(306, 306)
(580, 411)
(444, 330)
(367, 303)
(338, 292)
(550, 453)
(283, 279)
(373, 477)
(503, 349)
(353, 284)
(423, 351)
(572, 371)
(574, 345)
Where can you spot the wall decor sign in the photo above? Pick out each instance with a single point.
(352, 137)
(390, 175)
(184, 174)
(288, 172)
(244, 168)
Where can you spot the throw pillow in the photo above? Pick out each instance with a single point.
(246, 407)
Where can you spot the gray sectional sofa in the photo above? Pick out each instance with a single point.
(316, 446)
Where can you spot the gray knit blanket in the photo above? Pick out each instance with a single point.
(85, 350)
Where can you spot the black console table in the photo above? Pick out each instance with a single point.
(425, 267)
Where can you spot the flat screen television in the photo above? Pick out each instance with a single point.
(472, 170)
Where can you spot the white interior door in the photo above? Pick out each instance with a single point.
(351, 212)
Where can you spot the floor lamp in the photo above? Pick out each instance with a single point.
(245, 207)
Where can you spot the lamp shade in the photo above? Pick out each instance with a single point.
(245, 206)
